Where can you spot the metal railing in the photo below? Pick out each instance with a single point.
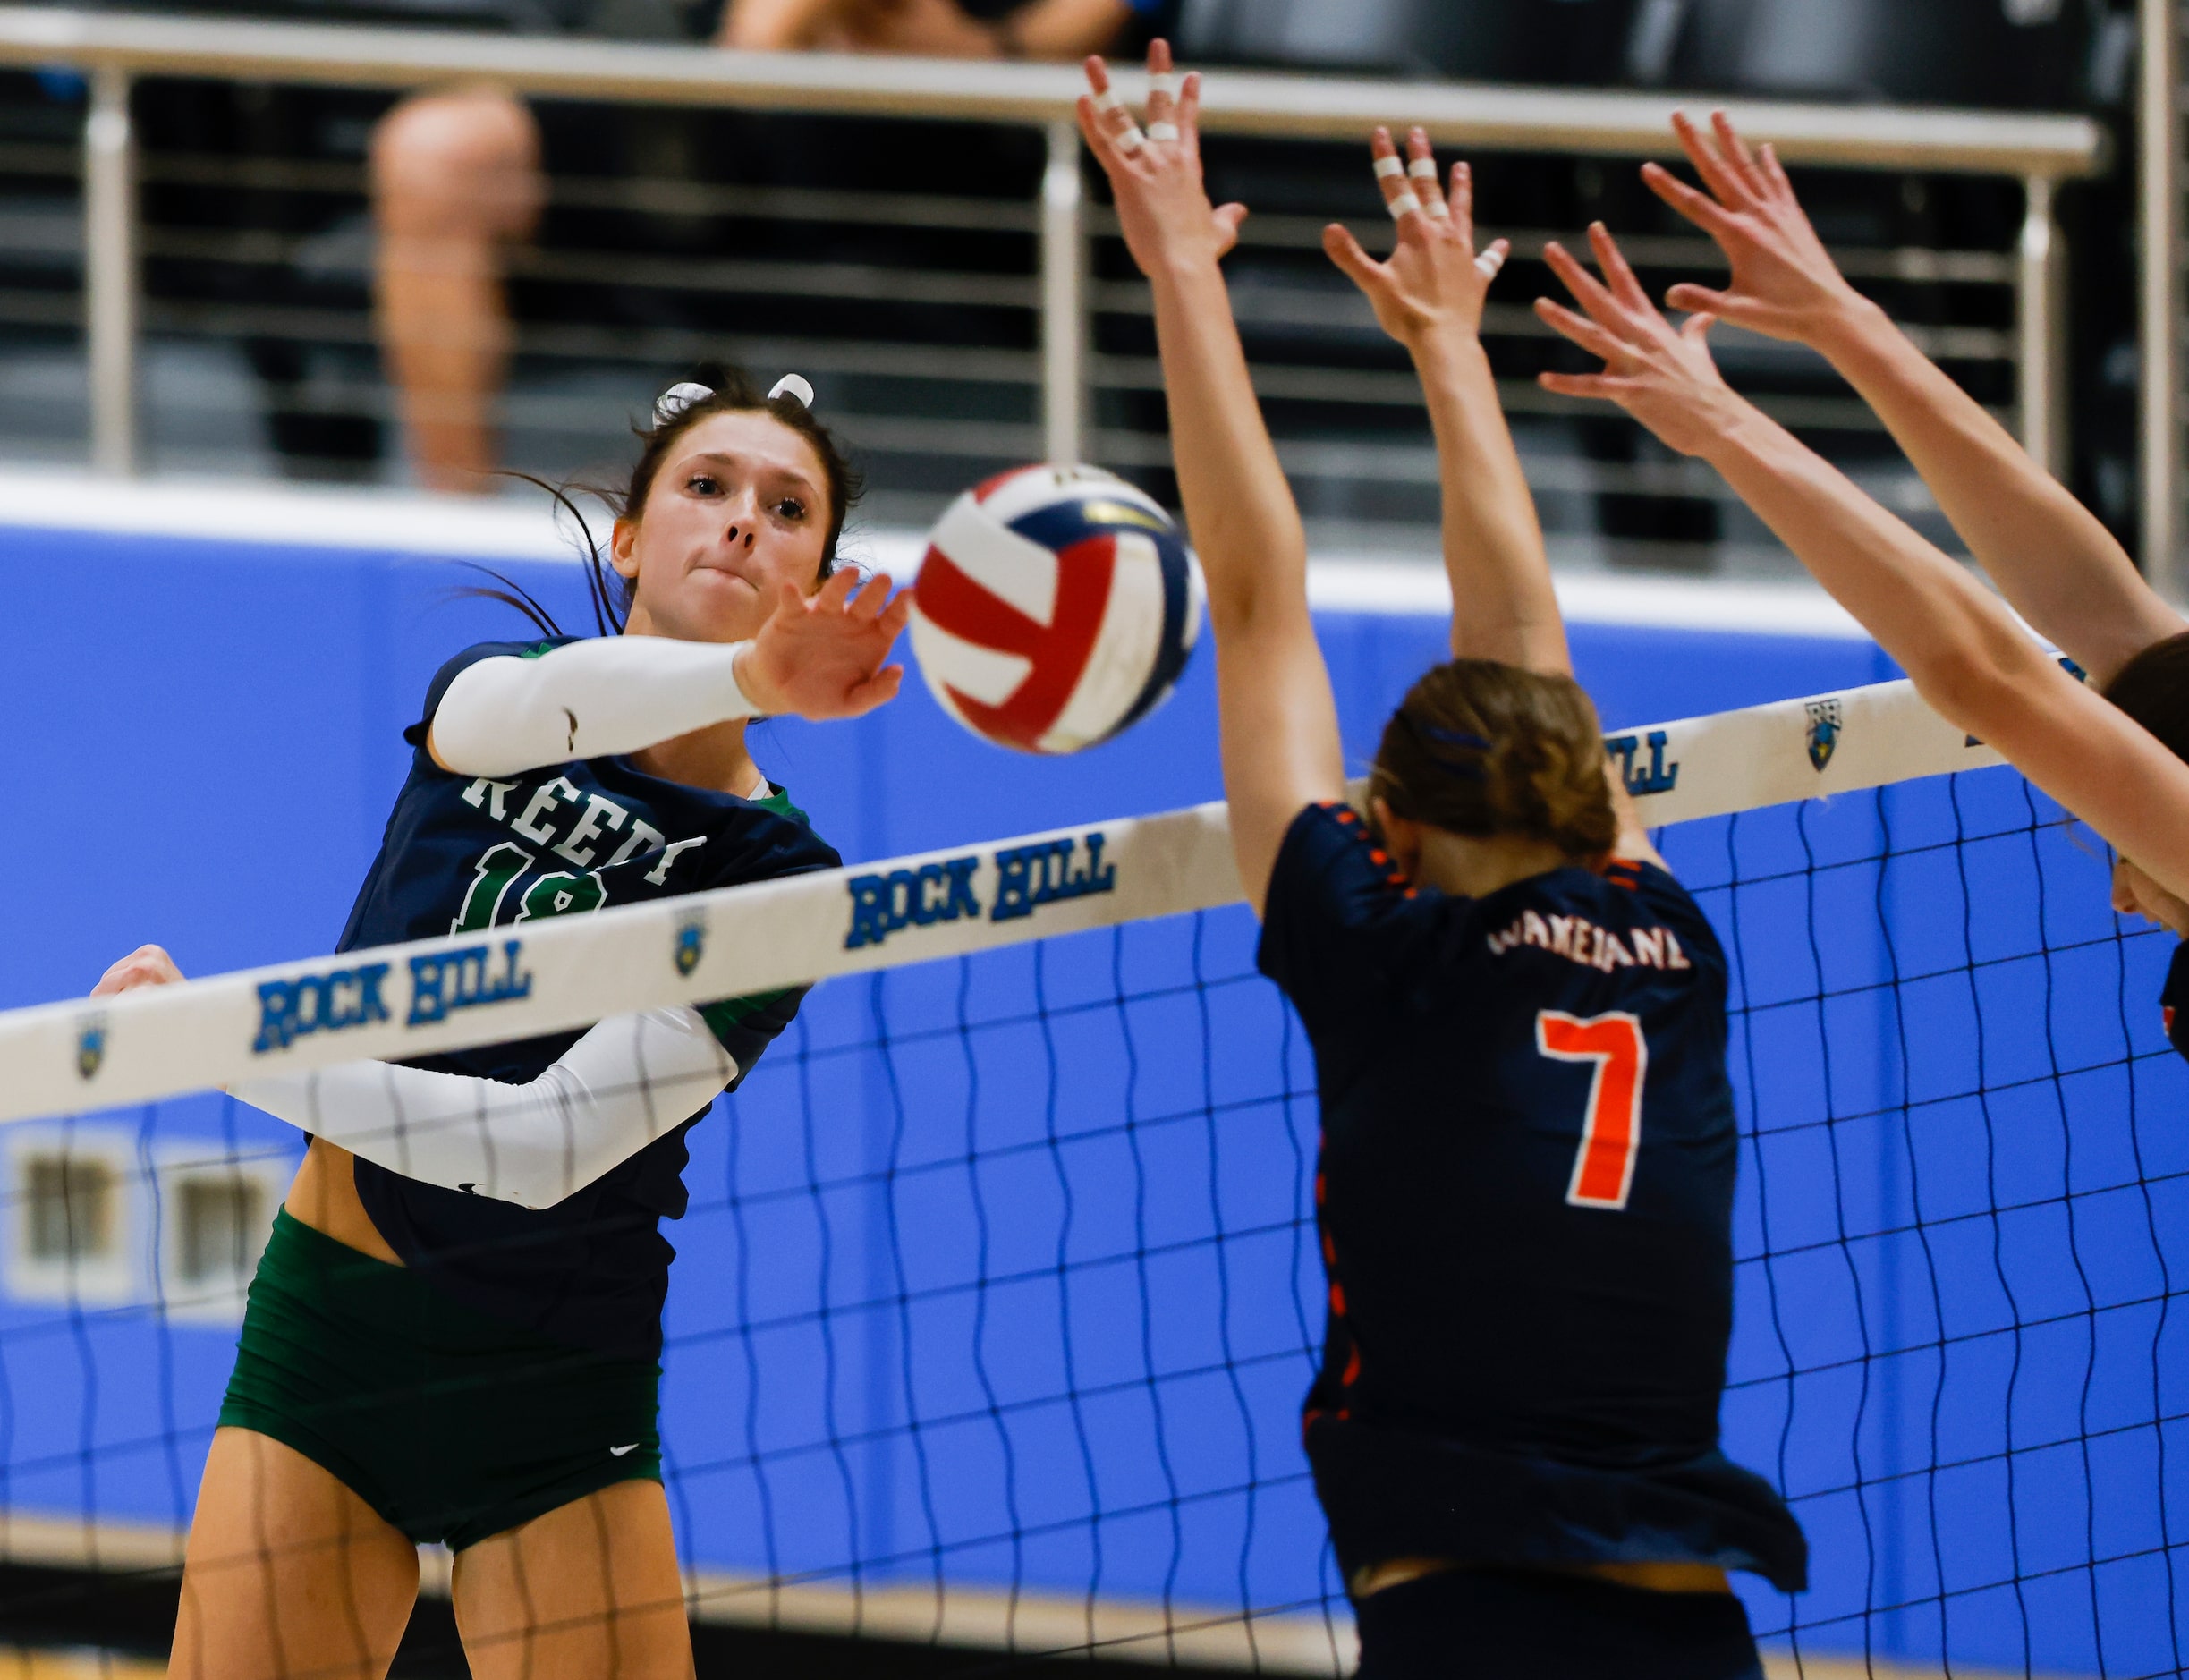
(115, 49)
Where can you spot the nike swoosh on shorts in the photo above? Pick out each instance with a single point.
(617, 1452)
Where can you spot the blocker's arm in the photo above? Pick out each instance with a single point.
(1278, 721)
(2049, 554)
(1969, 658)
(629, 1081)
(1429, 297)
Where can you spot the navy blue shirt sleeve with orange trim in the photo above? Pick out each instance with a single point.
(1336, 917)
(2173, 1000)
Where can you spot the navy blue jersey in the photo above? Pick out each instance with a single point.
(464, 852)
(1526, 1196)
(2173, 1000)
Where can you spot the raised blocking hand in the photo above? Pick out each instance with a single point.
(1435, 281)
(1663, 376)
(1785, 283)
(1155, 173)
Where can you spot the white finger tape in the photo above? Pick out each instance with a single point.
(1422, 169)
(1405, 205)
(1109, 99)
(1162, 131)
(1163, 82)
(1490, 262)
(1131, 141)
(1386, 167)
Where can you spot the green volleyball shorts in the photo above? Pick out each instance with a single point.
(452, 1424)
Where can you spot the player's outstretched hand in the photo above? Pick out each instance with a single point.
(1661, 375)
(1785, 283)
(821, 656)
(147, 965)
(1155, 173)
(1434, 281)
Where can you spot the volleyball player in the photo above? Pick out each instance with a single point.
(1526, 1181)
(2118, 766)
(421, 1359)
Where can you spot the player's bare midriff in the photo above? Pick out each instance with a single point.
(323, 1196)
(1651, 1577)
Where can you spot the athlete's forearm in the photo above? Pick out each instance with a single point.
(629, 1081)
(1277, 720)
(1244, 522)
(1948, 631)
(2048, 553)
(1503, 606)
(613, 694)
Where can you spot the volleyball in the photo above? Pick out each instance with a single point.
(1056, 606)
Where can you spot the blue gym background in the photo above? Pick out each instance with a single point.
(949, 1304)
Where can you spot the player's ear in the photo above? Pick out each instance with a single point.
(624, 549)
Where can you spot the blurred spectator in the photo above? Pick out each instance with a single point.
(940, 29)
(457, 177)
(1555, 42)
(1997, 53)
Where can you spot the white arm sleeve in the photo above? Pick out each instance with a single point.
(627, 1081)
(607, 695)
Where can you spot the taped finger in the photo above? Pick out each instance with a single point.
(1128, 138)
(1162, 131)
(1490, 262)
(1163, 85)
(1398, 195)
(1424, 169)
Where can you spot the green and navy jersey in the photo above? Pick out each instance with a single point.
(1525, 1194)
(473, 852)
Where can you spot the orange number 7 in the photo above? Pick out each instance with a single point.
(1611, 1133)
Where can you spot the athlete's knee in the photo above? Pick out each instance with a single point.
(457, 163)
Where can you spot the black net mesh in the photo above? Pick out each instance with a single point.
(998, 1290)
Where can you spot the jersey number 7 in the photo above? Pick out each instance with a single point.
(1611, 1131)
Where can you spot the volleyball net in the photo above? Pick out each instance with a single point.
(998, 1291)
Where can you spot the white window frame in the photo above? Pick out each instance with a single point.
(119, 1276)
(261, 1165)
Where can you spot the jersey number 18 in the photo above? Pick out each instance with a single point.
(1611, 1130)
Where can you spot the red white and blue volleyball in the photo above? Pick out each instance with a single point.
(1056, 606)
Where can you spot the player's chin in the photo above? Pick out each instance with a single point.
(723, 605)
(716, 621)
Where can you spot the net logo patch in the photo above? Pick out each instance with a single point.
(91, 1046)
(691, 941)
(293, 1009)
(1026, 877)
(1826, 720)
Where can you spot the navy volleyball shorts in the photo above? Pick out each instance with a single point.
(1530, 1624)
